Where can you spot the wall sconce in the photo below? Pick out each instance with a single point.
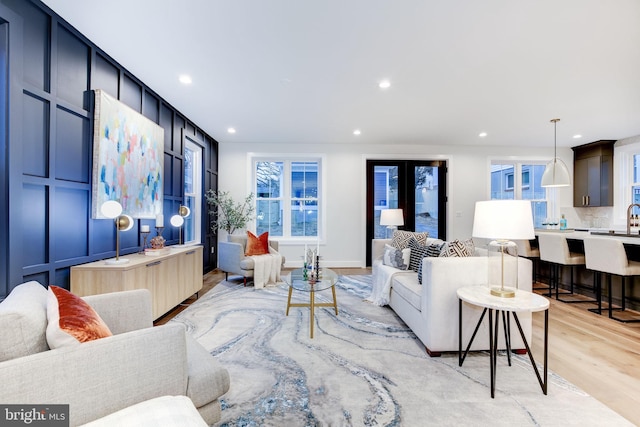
(112, 209)
(178, 220)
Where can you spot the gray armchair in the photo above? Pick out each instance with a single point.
(138, 363)
(231, 258)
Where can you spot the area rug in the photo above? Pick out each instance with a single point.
(363, 367)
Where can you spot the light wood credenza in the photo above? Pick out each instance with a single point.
(171, 278)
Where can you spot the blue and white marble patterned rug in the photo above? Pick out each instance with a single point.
(363, 367)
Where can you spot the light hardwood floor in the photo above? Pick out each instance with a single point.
(597, 354)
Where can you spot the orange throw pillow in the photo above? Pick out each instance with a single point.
(71, 320)
(257, 245)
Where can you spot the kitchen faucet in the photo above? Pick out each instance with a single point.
(629, 216)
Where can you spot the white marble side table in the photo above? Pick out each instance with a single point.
(522, 302)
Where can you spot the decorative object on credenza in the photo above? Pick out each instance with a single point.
(157, 243)
(503, 221)
(144, 230)
(113, 210)
(178, 220)
(392, 218)
(556, 173)
(128, 159)
(228, 214)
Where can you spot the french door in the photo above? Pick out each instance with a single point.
(418, 187)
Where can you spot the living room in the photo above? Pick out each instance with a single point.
(46, 182)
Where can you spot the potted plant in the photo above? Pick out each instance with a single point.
(231, 215)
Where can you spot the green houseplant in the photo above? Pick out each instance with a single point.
(228, 214)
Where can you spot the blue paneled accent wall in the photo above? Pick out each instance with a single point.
(48, 72)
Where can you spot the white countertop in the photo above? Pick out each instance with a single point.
(581, 235)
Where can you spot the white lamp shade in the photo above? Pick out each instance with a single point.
(177, 221)
(391, 217)
(111, 209)
(503, 219)
(556, 174)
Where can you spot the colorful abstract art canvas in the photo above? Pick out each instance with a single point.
(128, 159)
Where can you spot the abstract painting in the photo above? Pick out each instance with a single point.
(128, 159)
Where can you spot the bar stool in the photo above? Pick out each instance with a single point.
(525, 250)
(607, 255)
(554, 249)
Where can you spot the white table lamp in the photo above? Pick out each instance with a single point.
(392, 218)
(503, 221)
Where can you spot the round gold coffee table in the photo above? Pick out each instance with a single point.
(328, 279)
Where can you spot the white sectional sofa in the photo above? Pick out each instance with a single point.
(431, 309)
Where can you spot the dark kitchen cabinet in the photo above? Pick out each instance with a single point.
(593, 174)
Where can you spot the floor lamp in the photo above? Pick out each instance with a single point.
(503, 221)
(392, 218)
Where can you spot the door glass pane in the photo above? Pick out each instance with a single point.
(385, 195)
(426, 196)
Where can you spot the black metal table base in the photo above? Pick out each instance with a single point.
(493, 342)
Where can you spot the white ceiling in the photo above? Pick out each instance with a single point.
(294, 71)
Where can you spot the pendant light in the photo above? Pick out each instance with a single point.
(556, 174)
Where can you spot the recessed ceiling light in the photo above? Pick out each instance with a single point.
(185, 79)
(231, 130)
(482, 134)
(384, 84)
(577, 136)
(357, 132)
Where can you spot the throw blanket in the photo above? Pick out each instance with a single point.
(266, 268)
(381, 276)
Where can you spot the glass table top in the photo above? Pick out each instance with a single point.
(296, 280)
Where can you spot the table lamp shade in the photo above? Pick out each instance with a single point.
(503, 220)
(391, 217)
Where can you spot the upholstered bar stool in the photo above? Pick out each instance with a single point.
(525, 250)
(554, 249)
(607, 255)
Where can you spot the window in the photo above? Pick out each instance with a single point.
(192, 191)
(288, 197)
(520, 180)
(508, 183)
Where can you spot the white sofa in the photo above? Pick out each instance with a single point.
(431, 309)
(139, 363)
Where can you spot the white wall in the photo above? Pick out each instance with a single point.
(345, 178)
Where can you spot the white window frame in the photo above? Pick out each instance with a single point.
(286, 198)
(550, 196)
(623, 180)
(196, 213)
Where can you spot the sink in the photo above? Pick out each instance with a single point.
(615, 233)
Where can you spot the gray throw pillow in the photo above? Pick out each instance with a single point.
(393, 258)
